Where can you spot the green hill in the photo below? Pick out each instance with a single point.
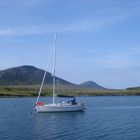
(26, 75)
(133, 88)
(91, 84)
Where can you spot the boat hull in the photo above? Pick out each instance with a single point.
(60, 108)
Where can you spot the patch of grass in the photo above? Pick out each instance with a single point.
(30, 91)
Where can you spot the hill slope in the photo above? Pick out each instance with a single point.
(26, 75)
(91, 84)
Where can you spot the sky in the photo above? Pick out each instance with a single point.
(97, 40)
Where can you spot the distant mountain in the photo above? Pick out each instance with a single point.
(26, 75)
(91, 84)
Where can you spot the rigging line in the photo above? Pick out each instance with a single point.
(44, 76)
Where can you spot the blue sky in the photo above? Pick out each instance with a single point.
(97, 40)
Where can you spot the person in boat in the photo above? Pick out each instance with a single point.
(73, 101)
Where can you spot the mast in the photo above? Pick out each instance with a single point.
(54, 67)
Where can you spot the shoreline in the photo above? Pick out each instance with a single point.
(69, 97)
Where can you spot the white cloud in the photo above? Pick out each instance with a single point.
(114, 13)
(6, 32)
(81, 25)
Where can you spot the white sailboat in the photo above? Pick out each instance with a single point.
(72, 105)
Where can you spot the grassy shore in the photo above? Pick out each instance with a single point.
(30, 91)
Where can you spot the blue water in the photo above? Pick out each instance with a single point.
(105, 118)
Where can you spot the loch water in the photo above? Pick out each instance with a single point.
(105, 118)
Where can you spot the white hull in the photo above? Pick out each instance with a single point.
(60, 107)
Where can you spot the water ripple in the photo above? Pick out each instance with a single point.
(107, 118)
